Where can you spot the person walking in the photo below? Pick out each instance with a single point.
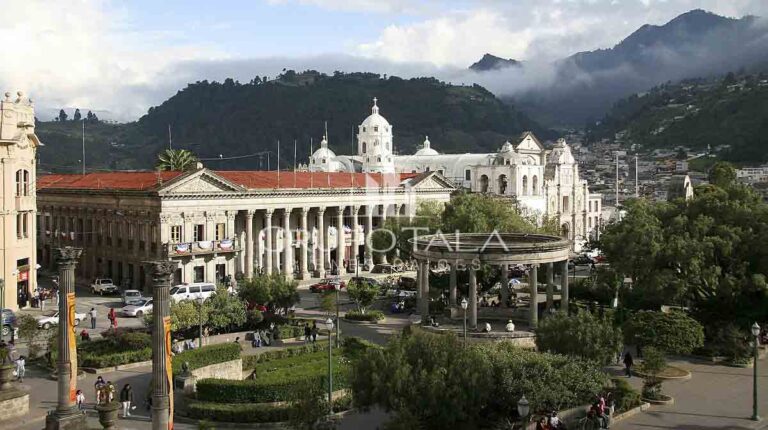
(628, 362)
(314, 331)
(92, 314)
(307, 332)
(112, 316)
(80, 399)
(110, 391)
(20, 368)
(126, 398)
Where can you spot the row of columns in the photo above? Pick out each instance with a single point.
(323, 257)
(533, 316)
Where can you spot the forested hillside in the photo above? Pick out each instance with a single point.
(731, 111)
(238, 119)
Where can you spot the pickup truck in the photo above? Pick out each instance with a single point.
(103, 286)
(51, 318)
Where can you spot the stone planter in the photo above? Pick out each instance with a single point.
(663, 400)
(108, 414)
(6, 377)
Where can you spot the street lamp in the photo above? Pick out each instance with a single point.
(329, 326)
(523, 407)
(200, 320)
(464, 306)
(756, 334)
(338, 323)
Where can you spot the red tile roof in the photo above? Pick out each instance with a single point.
(254, 180)
(129, 181)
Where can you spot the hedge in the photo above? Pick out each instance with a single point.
(116, 349)
(250, 361)
(625, 396)
(114, 359)
(237, 413)
(370, 316)
(251, 412)
(206, 356)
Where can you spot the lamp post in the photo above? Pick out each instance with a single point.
(756, 334)
(338, 323)
(200, 320)
(464, 307)
(523, 407)
(329, 325)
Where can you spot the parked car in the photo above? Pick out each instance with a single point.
(8, 321)
(371, 281)
(327, 284)
(51, 319)
(383, 268)
(138, 308)
(193, 291)
(583, 260)
(130, 296)
(407, 283)
(103, 286)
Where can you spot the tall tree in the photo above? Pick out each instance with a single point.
(77, 116)
(62, 115)
(176, 160)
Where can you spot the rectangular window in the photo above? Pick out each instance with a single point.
(175, 233)
(199, 233)
(18, 226)
(25, 225)
(220, 231)
(199, 274)
(565, 204)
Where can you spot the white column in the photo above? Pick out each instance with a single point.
(452, 285)
(368, 233)
(472, 297)
(504, 285)
(249, 244)
(268, 237)
(354, 258)
(288, 262)
(304, 239)
(384, 209)
(320, 268)
(533, 285)
(340, 240)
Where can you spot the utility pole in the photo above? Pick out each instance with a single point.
(170, 138)
(83, 147)
(617, 179)
(637, 184)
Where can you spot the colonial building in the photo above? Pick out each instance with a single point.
(544, 183)
(18, 143)
(216, 224)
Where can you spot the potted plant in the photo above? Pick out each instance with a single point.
(108, 414)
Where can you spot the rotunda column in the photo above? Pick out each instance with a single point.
(472, 297)
(533, 284)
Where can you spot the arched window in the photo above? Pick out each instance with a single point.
(467, 175)
(525, 185)
(365, 146)
(502, 184)
(590, 221)
(363, 129)
(535, 190)
(565, 230)
(324, 161)
(22, 182)
(483, 184)
(379, 159)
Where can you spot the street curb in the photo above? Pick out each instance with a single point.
(630, 413)
(126, 366)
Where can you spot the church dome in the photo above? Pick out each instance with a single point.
(323, 152)
(375, 120)
(426, 148)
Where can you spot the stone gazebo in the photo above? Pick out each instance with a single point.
(471, 250)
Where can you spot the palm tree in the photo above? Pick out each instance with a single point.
(176, 159)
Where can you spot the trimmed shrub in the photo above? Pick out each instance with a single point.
(114, 359)
(672, 332)
(250, 361)
(206, 356)
(370, 316)
(582, 335)
(354, 347)
(237, 413)
(626, 397)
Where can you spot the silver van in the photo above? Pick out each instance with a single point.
(192, 291)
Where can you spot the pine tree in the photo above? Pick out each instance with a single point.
(62, 115)
(77, 115)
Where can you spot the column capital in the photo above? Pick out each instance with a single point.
(321, 210)
(304, 210)
(355, 209)
(269, 212)
(67, 257)
(249, 213)
(161, 270)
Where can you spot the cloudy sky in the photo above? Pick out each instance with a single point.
(121, 57)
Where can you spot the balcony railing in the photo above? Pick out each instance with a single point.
(25, 203)
(202, 247)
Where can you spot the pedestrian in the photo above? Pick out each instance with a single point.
(541, 424)
(85, 336)
(307, 332)
(80, 399)
(554, 421)
(237, 342)
(628, 362)
(110, 391)
(97, 386)
(112, 318)
(20, 368)
(41, 300)
(92, 314)
(314, 331)
(126, 398)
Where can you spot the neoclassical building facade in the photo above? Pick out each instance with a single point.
(216, 224)
(544, 183)
(18, 144)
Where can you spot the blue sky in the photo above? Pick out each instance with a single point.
(119, 57)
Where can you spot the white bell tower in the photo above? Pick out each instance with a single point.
(374, 143)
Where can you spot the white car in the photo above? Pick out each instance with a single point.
(138, 309)
(51, 319)
(198, 290)
(103, 286)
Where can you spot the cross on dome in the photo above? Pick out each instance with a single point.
(375, 108)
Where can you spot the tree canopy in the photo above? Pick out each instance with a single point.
(582, 335)
(176, 159)
(275, 291)
(670, 332)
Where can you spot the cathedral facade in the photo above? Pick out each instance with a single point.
(544, 183)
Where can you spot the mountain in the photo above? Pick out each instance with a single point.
(492, 62)
(694, 44)
(233, 119)
(726, 114)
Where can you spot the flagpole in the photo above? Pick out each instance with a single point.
(278, 163)
(294, 163)
(83, 147)
(311, 170)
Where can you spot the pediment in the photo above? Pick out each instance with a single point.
(201, 181)
(432, 181)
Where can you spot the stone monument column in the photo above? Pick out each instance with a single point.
(66, 415)
(354, 254)
(268, 236)
(288, 261)
(550, 285)
(533, 286)
(162, 389)
(340, 240)
(304, 273)
(249, 244)
(564, 286)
